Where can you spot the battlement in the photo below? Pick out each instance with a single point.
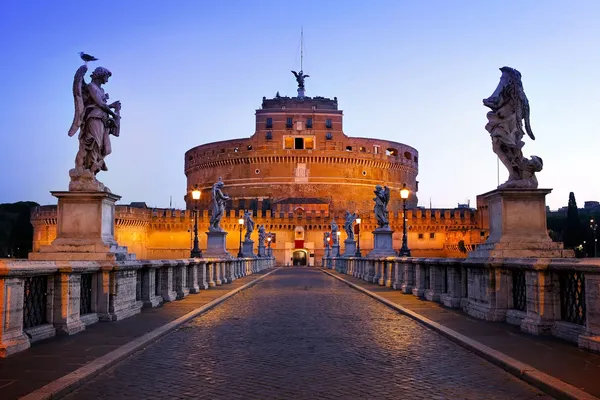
(165, 218)
(314, 104)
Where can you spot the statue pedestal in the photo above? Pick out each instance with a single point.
(383, 244)
(335, 250)
(518, 226)
(349, 248)
(327, 251)
(248, 248)
(85, 229)
(262, 250)
(215, 245)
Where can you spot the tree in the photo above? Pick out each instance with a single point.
(573, 231)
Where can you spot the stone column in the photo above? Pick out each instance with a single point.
(543, 303)
(202, 271)
(590, 339)
(67, 296)
(193, 284)
(420, 280)
(181, 286)
(408, 279)
(388, 274)
(436, 282)
(454, 293)
(149, 282)
(167, 283)
(12, 337)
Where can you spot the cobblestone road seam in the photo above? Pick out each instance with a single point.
(548, 384)
(71, 381)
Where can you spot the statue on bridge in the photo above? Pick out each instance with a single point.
(248, 224)
(95, 120)
(219, 201)
(334, 232)
(382, 198)
(326, 239)
(509, 108)
(349, 224)
(262, 235)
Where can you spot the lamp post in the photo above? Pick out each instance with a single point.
(594, 226)
(404, 193)
(339, 234)
(241, 223)
(358, 220)
(196, 252)
(269, 238)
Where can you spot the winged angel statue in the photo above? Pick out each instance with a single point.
(382, 198)
(300, 78)
(95, 120)
(509, 108)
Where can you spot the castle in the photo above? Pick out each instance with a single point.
(296, 173)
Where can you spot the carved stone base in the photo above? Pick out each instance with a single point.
(262, 250)
(517, 219)
(335, 250)
(382, 243)
(248, 248)
(215, 246)
(349, 248)
(85, 229)
(85, 181)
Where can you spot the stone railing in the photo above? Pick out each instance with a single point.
(39, 299)
(559, 297)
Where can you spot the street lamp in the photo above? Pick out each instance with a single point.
(404, 193)
(269, 238)
(358, 220)
(196, 252)
(339, 234)
(241, 223)
(594, 226)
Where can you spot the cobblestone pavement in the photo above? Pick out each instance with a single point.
(301, 334)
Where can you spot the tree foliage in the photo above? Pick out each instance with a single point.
(16, 231)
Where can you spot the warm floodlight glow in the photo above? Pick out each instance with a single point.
(196, 194)
(358, 220)
(404, 192)
(241, 221)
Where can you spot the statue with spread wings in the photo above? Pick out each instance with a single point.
(382, 198)
(349, 220)
(95, 120)
(300, 78)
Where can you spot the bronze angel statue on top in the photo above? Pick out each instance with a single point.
(509, 109)
(300, 78)
(95, 120)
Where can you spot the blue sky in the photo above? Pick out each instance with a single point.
(192, 72)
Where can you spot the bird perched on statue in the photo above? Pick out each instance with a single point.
(86, 57)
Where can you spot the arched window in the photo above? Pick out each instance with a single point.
(407, 155)
(391, 152)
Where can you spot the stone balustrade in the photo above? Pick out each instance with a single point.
(558, 297)
(40, 299)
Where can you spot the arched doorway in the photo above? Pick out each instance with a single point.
(299, 258)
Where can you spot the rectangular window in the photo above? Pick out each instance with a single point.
(308, 123)
(298, 143)
(432, 235)
(309, 143)
(375, 149)
(289, 142)
(420, 236)
(288, 123)
(269, 123)
(328, 123)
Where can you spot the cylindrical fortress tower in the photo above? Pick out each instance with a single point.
(299, 152)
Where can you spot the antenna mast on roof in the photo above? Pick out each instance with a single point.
(301, 48)
(300, 76)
